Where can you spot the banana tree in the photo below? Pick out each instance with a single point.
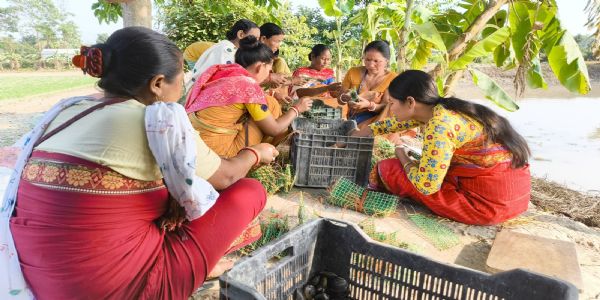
(337, 9)
(515, 33)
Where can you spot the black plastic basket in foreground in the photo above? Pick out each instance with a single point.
(374, 270)
(318, 163)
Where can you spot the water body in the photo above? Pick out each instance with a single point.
(564, 137)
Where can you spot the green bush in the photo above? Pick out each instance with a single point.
(201, 20)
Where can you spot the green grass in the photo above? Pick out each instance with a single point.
(15, 87)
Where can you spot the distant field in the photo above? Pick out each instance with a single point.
(19, 86)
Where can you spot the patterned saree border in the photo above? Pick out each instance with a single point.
(79, 178)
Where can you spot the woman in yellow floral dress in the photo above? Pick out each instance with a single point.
(473, 167)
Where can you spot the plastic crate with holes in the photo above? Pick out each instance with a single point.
(373, 271)
(317, 159)
(320, 110)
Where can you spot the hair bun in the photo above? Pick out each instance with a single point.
(249, 42)
(89, 60)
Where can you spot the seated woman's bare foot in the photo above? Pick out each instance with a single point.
(222, 266)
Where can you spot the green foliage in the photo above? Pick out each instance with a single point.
(568, 65)
(493, 91)
(39, 25)
(107, 12)
(336, 8)
(481, 48)
(315, 20)
(202, 20)
(298, 37)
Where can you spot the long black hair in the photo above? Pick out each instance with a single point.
(382, 47)
(271, 29)
(132, 56)
(242, 24)
(252, 51)
(317, 50)
(423, 89)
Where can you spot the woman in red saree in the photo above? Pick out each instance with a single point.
(473, 167)
(93, 216)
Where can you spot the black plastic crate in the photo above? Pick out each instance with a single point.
(373, 270)
(320, 110)
(318, 163)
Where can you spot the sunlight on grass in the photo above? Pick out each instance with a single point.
(22, 87)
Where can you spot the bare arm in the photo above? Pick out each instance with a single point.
(233, 169)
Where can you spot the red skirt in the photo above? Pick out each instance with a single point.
(85, 231)
(478, 196)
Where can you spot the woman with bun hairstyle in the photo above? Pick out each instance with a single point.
(474, 165)
(228, 107)
(223, 52)
(118, 197)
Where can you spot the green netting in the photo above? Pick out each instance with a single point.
(436, 233)
(346, 194)
(368, 226)
(380, 204)
(274, 178)
(272, 228)
(382, 149)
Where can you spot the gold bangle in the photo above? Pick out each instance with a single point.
(406, 164)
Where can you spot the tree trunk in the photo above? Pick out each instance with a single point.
(462, 42)
(402, 41)
(137, 13)
(338, 44)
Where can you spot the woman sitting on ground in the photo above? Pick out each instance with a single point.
(370, 82)
(92, 197)
(230, 110)
(280, 78)
(473, 167)
(320, 79)
(223, 52)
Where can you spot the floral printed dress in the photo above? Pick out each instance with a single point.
(460, 175)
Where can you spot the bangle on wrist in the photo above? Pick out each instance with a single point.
(296, 110)
(408, 163)
(372, 106)
(253, 152)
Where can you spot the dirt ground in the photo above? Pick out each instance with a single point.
(555, 211)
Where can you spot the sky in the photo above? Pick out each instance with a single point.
(571, 13)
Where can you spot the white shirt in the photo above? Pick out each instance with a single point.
(222, 52)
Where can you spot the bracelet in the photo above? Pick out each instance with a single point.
(253, 152)
(372, 106)
(296, 110)
(406, 164)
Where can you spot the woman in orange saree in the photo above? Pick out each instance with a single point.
(370, 82)
(228, 107)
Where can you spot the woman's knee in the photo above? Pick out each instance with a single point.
(247, 192)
